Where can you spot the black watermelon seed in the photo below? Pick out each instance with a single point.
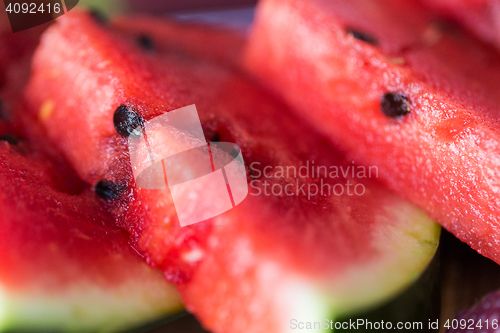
(109, 190)
(395, 105)
(126, 120)
(98, 16)
(362, 36)
(146, 43)
(10, 138)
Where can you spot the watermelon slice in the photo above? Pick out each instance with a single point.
(65, 266)
(399, 91)
(273, 258)
(480, 16)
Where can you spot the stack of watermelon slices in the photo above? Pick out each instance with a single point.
(274, 258)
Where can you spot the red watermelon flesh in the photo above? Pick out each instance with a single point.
(355, 68)
(480, 16)
(65, 265)
(269, 259)
(225, 45)
(16, 52)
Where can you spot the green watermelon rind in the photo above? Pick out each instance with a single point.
(366, 287)
(415, 247)
(85, 307)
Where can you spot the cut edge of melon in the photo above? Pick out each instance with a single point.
(365, 286)
(412, 245)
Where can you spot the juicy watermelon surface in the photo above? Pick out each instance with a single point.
(335, 61)
(225, 45)
(65, 265)
(270, 258)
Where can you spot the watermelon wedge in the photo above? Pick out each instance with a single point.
(397, 90)
(273, 258)
(65, 266)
